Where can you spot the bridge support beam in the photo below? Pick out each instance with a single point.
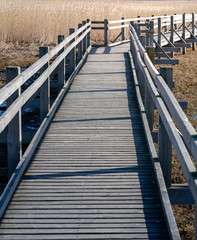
(14, 136)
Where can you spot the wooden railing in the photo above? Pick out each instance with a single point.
(174, 127)
(74, 50)
(151, 88)
(179, 27)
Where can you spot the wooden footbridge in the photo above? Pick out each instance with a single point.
(92, 171)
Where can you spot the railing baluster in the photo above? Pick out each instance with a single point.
(14, 136)
(172, 32)
(159, 31)
(80, 45)
(85, 39)
(123, 30)
(105, 32)
(72, 53)
(45, 89)
(88, 35)
(165, 146)
(193, 31)
(61, 67)
(183, 35)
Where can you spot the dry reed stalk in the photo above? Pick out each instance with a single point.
(40, 21)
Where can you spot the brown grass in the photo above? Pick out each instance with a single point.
(40, 21)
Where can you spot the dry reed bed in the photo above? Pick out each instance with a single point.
(40, 21)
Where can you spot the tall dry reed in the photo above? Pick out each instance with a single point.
(40, 21)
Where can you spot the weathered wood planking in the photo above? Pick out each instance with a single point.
(91, 176)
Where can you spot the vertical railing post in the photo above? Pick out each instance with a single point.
(72, 53)
(159, 31)
(80, 45)
(61, 67)
(85, 39)
(123, 30)
(193, 31)
(105, 32)
(14, 136)
(183, 36)
(172, 32)
(165, 22)
(175, 24)
(151, 33)
(45, 88)
(147, 32)
(88, 35)
(142, 39)
(149, 104)
(165, 146)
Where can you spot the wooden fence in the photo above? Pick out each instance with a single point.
(153, 91)
(74, 48)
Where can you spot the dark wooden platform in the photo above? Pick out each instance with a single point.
(91, 177)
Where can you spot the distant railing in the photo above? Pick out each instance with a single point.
(70, 53)
(180, 27)
(154, 92)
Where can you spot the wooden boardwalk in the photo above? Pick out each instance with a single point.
(91, 176)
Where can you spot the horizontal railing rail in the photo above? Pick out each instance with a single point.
(179, 131)
(73, 48)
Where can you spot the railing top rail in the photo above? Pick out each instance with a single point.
(17, 82)
(142, 18)
(187, 130)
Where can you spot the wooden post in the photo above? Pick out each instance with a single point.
(85, 39)
(105, 32)
(165, 27)
(165, 146)
(172, 33)
(88, 35)
(45, 88)
(61, 67)
(147, 33)
(123, 30)
(193, 31)
(14, 136)
(183, 36)
(175, 24)
(72, 53)
(142, 39)
(151, 33)
(149, 104)
(151, 53)
(80, 45)
(159, 31)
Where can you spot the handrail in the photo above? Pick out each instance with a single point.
(6, 118)
(167, 107)
(187, 130)
(184, 139)
(17, 82)
(83, 34)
